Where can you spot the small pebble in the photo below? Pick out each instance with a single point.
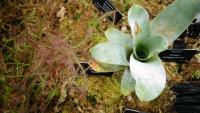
(124, 28)
(76, 101)
(129, 98)
(104, 19)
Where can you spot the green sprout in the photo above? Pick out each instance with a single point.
(138, 54)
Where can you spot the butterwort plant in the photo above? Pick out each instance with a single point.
(137, 53)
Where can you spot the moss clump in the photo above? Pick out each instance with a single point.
(103, 93)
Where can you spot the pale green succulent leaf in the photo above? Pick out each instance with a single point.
(174, 19)
(111, 53)
(116, 36)
(148, 47)
(102, 67)
(138, 19)
(150, 78)
(127, 83)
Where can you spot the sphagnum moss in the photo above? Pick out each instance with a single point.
(35, 27)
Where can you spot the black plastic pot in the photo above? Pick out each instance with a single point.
(105, 6)
(187, 97)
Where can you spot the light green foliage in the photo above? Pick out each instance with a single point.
(138, 19)
(149, 76)
(111, 53)
(148, 47)
(115, 36)
(127, 82)
(144, 73)
(172, 21)
(196, 74)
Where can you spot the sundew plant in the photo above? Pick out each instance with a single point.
(137, 53)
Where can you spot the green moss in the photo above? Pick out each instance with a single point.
(196, 74)
(102, 89)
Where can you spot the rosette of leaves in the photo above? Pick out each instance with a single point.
(137, 53)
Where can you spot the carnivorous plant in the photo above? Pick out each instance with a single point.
(137, 53)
